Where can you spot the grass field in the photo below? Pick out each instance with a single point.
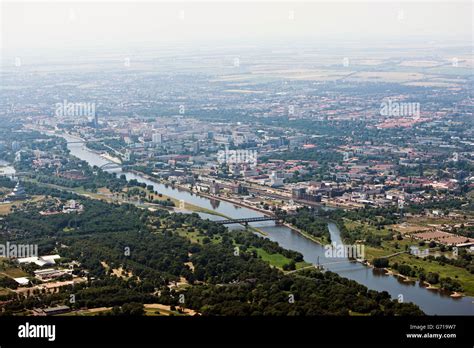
(86, 312)
(154, 309)
(278, 260)
(195, 236)
(11, 271)
(5, 208)
(389, 247)
(105, 195)
(4, 291)
(462, 275)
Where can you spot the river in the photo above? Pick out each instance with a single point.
(430, 301)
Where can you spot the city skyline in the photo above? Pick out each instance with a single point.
(256, 172)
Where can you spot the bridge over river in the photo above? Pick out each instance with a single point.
(431, 302)
(246, 221)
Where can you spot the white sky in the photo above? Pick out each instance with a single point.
(30, 26)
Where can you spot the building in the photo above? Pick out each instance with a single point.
(40, 261)
(235, 170)
(248, 172)
(301, 194)
(276, 180)
(73, 174)
(215, 189)
(16, 146)
(18, 193)
(50, 273)
(298, 192)
(196, 147)
(72, 206)
(157, 138)
(239, 189)
(55, 310)
(22, 281)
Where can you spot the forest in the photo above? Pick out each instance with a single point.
(153, 256)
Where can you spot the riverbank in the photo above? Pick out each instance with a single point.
(306, 235)
(413, 280)
(317, 240)
(201, 194)
(198, 209)
(430, 302)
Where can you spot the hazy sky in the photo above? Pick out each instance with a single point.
(29, 26)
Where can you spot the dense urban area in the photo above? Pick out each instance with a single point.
(381, 147)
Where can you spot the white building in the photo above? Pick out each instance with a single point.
(276, 180)
(157, 138)
(72, 206)
(22, 280)
(40, 261)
